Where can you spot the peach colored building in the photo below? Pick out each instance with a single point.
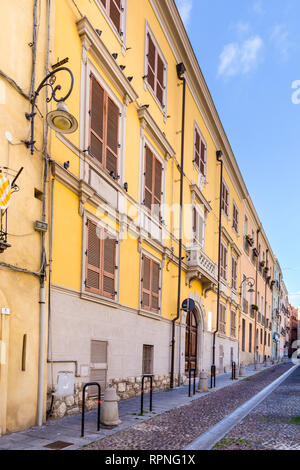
(257, 262)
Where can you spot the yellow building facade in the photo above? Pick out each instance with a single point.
(114, 323)
(23, 39)
(112, 200)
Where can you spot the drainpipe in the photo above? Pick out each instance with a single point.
(41, 374)
(180, 74)
(256, 292)
(219, 158)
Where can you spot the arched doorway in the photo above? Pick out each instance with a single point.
(191, 341)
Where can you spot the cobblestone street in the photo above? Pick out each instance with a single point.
(177, 428)
(273, 425)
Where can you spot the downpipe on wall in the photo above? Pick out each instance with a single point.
(219, 159)
(180, 73)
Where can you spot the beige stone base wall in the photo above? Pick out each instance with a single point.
(125, 387)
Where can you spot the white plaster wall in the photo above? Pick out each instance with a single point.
(75, 322)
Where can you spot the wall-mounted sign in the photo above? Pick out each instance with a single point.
(5, 192)
(188, 305)
(276, 337)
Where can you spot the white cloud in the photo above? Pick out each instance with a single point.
(240, 58)
(185, 10)
(280, 38)
(242, 27)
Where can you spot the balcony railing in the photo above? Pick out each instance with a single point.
(200, 265)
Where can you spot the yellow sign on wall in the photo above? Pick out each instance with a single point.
(5, 192)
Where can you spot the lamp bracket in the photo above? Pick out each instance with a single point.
(48, 81)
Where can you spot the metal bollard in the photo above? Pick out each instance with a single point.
(213, 376)
(83, 405)
(142, 392)
(233, 373)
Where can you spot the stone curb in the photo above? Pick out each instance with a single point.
(207, 440)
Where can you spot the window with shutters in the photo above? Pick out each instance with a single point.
(147, 367)
(100, 261)
(233, 273)
(114, 10)
(235, 218)
(150, 291)
(152, 182)
(223, 262)
(198, 228)
(155, 70)
(222, 321)
(98, 366)
(225, 199)
(233, 324)
(200, 152)
(103, 128)
(243, 335)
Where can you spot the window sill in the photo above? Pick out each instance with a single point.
(100, 299)
(149, 314)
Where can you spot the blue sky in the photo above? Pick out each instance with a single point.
(249, 53)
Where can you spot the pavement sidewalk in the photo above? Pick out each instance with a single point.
(67, 430)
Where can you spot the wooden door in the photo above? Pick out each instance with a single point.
(191, 342)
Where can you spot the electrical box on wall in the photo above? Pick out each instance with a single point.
(65, 384)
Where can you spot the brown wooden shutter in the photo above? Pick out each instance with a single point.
(153, 182)
(115, 13)
(155, 286)
(202, 159)
(112, 137)
(146, 282)
(151, 63)
(147, 359)
(93, 274)
(150, 284)
(197, 148)
(109, 263)
(96, 119)
(98, 366)
(160, 80)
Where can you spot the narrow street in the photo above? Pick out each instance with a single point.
(272, 425)
(175, 429)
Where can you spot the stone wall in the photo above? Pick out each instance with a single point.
(128, 387)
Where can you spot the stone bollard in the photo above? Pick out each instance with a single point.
(242, 371)
(110, 411)
(203, 383)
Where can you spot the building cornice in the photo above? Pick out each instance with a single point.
(196, 192)
(93, 44)
(151, 127)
